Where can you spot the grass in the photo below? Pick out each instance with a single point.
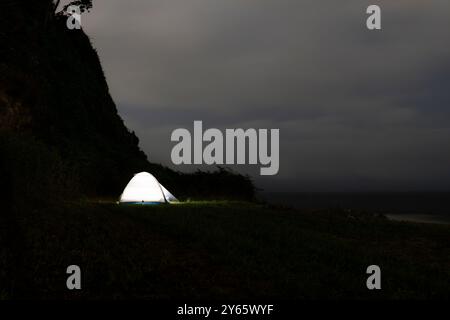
(224, 250)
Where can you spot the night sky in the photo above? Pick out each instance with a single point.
(357, 110)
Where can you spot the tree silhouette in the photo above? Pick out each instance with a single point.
(84, 5)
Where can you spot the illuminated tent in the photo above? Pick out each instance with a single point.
(144, 188)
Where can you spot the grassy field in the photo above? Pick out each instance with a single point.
(218, 250)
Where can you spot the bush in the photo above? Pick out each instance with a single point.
(33, 172)
(220, 184)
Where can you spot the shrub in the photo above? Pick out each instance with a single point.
(33, 172)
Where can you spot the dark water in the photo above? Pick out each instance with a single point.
(421, 207)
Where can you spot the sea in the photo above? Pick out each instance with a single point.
(424, 207)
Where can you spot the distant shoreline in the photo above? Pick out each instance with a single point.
(419, 207)
(417, 218)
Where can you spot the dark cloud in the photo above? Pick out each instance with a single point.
(356, 109)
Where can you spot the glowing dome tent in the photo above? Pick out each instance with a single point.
(144, 188)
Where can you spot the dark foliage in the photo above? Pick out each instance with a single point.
(220, 184)
(33, 172)
(84, 5)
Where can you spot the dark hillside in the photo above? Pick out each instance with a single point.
(54, 99)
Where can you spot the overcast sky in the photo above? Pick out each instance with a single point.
(357, 110)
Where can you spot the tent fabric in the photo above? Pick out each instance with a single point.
(145, 188)
(169, 197)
